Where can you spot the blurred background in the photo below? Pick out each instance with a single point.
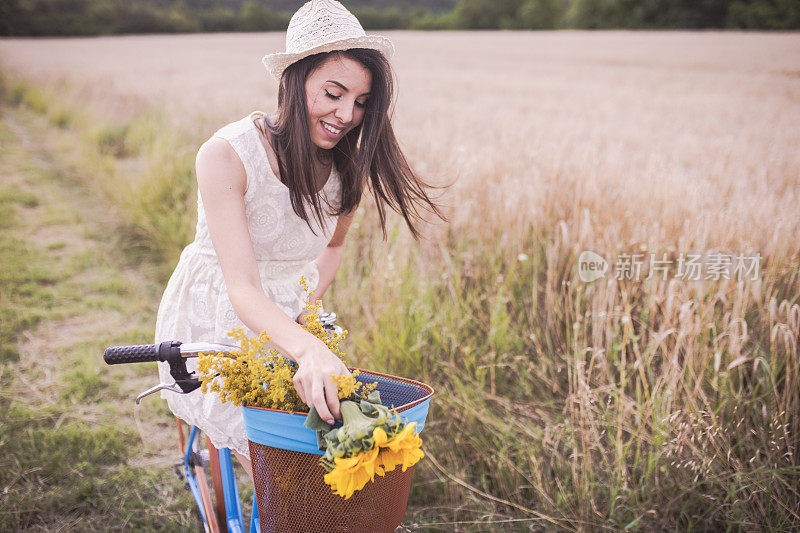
(649, 129)
(109, 17)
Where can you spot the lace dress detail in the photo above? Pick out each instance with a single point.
(195, 305)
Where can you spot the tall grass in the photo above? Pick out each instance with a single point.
(616, 404)
(141, 169)
(630, 405)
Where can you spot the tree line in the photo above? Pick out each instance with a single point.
(108, 17)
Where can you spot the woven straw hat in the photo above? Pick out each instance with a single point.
(323, 26)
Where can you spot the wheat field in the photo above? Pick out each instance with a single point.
(639, 403)
(695, 125)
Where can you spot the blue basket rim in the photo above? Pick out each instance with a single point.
(399, 409)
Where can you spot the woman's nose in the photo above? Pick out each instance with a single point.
(344, 113)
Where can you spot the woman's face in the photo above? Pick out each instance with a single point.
(336, 94)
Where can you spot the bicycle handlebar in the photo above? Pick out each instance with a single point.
(168, 351)
(176, 352)
(172, 352)
(141, 353)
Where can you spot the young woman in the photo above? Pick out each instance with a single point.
(276, 197)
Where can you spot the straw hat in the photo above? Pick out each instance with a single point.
(323, 26)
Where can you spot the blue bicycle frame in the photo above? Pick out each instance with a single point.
(233, 506)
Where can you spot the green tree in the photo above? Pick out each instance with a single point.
(142, 18)
(429, 21)
(593, 14)
(764, 14)
(487, 14)
(257, 17)
(383, 19)
(217, 18)
(104, 16)
(678, 13)
(12, 15)
(542, 14)
(181, 21)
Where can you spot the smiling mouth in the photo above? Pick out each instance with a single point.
(332, 129)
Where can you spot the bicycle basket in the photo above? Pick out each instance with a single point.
(291, 493)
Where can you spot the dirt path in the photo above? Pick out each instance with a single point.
(103, 300)
(72, 292)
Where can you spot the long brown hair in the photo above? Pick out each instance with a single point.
(367, 153)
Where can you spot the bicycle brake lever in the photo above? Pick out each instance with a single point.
(161, 386)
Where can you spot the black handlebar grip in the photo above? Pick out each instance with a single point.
(142, 353)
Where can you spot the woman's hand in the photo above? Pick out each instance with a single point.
(313, 380)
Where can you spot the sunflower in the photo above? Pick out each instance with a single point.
(352, 473)
(404, 449)
(370, 442)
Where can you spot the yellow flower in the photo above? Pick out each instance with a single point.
(351, 474)
(405, 449)
(346, 385)
(259, 376)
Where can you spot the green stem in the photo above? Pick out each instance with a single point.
(356, 423)
(352, 415)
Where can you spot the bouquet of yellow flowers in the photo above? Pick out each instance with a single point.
(258, 376)
(372, 440)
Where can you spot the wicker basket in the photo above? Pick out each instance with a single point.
(291, 493)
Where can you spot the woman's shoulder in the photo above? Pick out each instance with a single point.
(218, 162)
(234, 148)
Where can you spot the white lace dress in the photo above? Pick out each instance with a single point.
(195, 305)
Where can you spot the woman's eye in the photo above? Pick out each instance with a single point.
(361, 104)
(332, 96)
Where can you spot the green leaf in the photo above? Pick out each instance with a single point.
(313, 421)
(321, 443)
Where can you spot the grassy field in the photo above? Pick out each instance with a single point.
(71, 457)
(635, 404)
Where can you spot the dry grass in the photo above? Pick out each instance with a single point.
(613, 404)
(660, 137)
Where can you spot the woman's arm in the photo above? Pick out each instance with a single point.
(221, 181)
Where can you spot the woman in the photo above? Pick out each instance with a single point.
(276, 198)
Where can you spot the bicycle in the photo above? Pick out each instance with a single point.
(223, 513)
